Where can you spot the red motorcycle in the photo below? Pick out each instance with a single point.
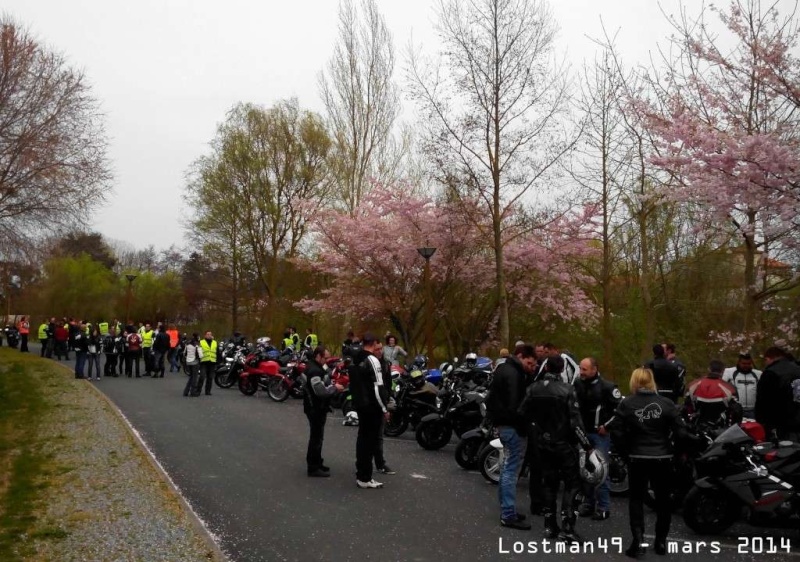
(269, 375)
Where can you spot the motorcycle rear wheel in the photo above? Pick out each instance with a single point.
(467, 452)
(433, 435)
(490, 463)
(277, 389)
(248, 385)
(709, 511)
(396, 426)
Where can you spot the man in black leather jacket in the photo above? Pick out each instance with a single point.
(505, 394)
(317, 392)
(667, 375)
(552, 406)
(597, 399)
(778, 395)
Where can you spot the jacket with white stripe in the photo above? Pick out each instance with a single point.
(597, 399)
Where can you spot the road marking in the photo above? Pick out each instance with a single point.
(419, 476)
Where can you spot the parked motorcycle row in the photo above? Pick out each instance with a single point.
(739, 475)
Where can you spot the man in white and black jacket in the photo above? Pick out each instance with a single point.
(370, 399)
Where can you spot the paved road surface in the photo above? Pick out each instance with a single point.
(240, 462)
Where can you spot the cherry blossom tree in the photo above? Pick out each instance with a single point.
(727, 131)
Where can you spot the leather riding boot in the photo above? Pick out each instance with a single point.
(551, 529)
(636, 549)
(568, 528)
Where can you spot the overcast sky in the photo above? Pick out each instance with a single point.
(166, 71)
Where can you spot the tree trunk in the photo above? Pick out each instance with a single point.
(644, 283)
(749, 303)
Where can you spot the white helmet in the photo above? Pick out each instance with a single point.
(593, 467)
(263, 342)
(351, 418)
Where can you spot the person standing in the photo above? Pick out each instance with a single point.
(316, 398)
(370, 399)
(174, 340)
(778, 395)
(551, 405)
(192, 356)
(208, 361)
(672, 357)
(160, 350)
(380, 460)
(505, 396)
(110, 351)
(711, 402)
(392, 352)
(94, 349)
(597, 401)
(666, 374)
(42, 334)
(641, 431)
(744, 378)
(312, 340)
(81, 350)
(24, 328)
(147, 335)
(62, 339)
(133, 343)
(51, 338)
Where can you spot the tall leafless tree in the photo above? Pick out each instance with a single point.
(493, 107)
(361, 101)
(53, 166)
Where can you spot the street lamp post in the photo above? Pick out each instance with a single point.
(427, 253)
(130, 277)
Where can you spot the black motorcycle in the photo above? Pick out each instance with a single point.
(12, 336)
(736, 475)
(473, 442)
(415, 399)
(459, 413)
(227, 373)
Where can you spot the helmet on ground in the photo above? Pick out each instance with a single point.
(593, 467)
(471, 359)
(351, 418)
(420, 361)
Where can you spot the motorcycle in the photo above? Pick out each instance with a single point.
(737, 473)
(490, 462)
(12, 336)
(262, 372)
(413, 402)
(473, 442)
(227, 373)
(459, 413)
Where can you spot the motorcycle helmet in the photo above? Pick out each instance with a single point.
(351, 418)
(263, 343)
(420, 362)
(593, 467)
(417, 379)
(446, 369)
(471, 359)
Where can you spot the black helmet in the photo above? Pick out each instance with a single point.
(420, 362)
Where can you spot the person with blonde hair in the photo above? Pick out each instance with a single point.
(642, 430)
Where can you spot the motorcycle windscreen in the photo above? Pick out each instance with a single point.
(734, 434)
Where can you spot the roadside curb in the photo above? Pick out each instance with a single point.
(196, 521)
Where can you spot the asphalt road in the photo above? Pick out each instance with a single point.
(240, 462)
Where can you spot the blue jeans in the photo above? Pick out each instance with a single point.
(507, 488)
(600, 497)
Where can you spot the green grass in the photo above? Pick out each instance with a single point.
(24, 464)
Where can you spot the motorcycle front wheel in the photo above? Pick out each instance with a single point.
(277, 389)
(467, 452)
(223, 378)
(248, 385)
(709, 511)
(490, 463)
(433, 435)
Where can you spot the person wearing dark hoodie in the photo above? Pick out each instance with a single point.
(505, 396)
(317, 392)
(370, 399)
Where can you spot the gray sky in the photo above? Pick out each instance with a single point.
(166, 71)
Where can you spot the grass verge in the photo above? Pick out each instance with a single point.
(24, 464)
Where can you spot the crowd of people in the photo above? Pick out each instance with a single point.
(535, 400)
(551, 412)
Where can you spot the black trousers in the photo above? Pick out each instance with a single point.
(316, 423)
(658, 473)
(110, 368)
(558, 463)
(367, 442)
(207, 375)
(147, 353)
(535, 479)
(23, 343)
(131, 358)
(191, 383)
